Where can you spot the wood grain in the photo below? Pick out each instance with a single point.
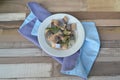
(22, 52)
(71, 78)
(104, 78)
(110, 44)
(109, 33)
(12, 16)
(100, 5)
(27, 44)
(53, 6)
(99, 22)
(108, 59)
(25, 70)
(105, 22)
(105, 54)
(98, 69)
(16, 44)
(11, 35)
(55, 78)
(10, 38)
(10, 24)
(80, 15)
(58, 6)
(106, 69)
(25, 60)
(90, 15)
(22, 60)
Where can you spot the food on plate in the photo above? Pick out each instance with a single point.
(60, 34)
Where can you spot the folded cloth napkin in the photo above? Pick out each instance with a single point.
(78, 64)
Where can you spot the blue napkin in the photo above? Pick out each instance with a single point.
(78, 64)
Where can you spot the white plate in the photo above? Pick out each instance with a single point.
(55, 52)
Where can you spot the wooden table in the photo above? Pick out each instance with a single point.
(22, 60)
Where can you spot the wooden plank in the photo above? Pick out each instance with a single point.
(54, 78)
(98, 69)
(109, 33)
(12, 16)
(12, 6)
(72, 78)
(104, 78)
(99, 22)
(112, 70)
(22, 43)
(27, 44)
(103, 64)
(10, 24)
(10, 38)
(30, 59)
(108, 59)
(8, 79)
(78, 78)
(80, 15)
(1, 30)
(25, 70)
(105, 55)
(117, 6)
(105, 22)
(58, 6)
(106, 52)
(11, 35)
(100, 5)
(22, 52)
(17, 44)
(89, 15)
(53, 6)
(109, 55)
(106, 69)
(110, 44)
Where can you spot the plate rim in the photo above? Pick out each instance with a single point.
(39, 40)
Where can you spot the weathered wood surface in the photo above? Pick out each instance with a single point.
(12, 34)
(61, 5)
(12, 16)
(54, 5)
(72, 78)
(106, 54)
(22, 60)
(103, 5)
(25, 70)
(99, 22)
(80, 15)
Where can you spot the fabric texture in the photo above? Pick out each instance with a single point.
(78, 64)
